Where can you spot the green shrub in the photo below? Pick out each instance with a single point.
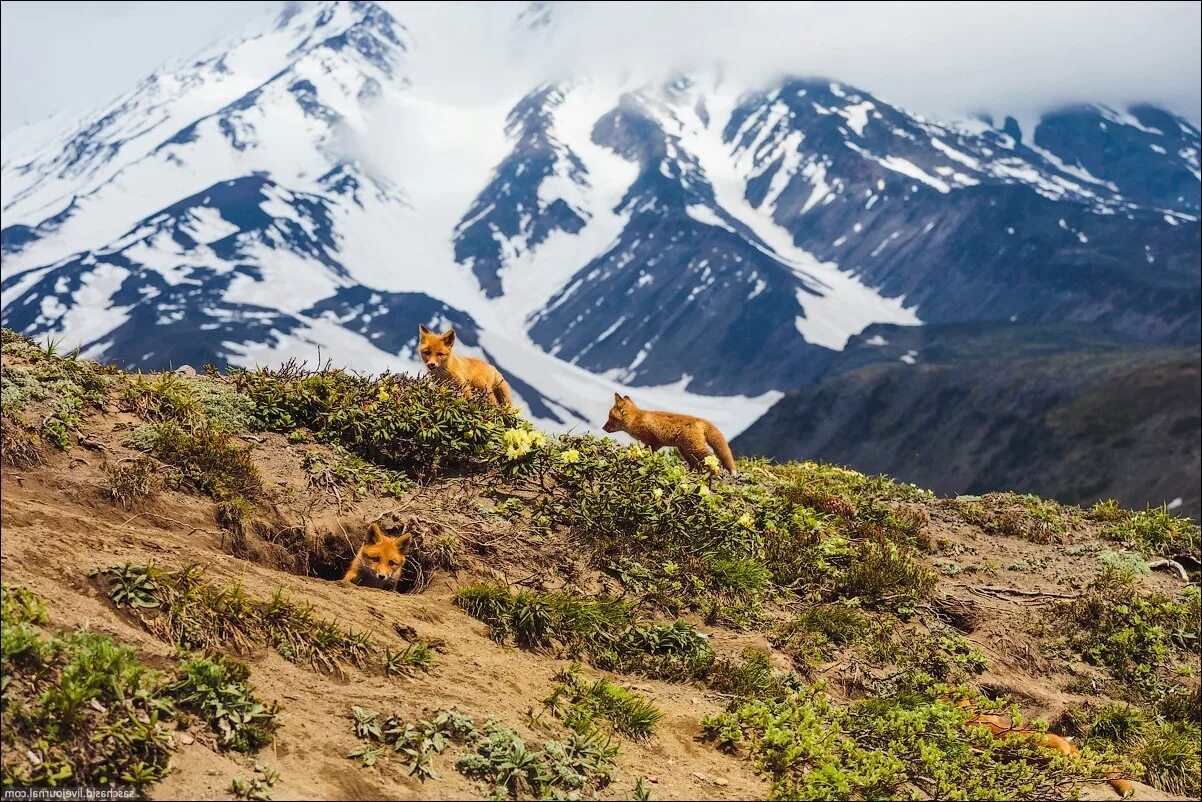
(887, 748)
(190, 403)
(415, 425)
(215, 689)
(1135, 635)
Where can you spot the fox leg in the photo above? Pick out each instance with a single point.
(501, 392)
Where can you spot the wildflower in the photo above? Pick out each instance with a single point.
(703, 491)
(711, 462)
(570, 457)
(635, 451)
(538, 439)
(746, 521)
(658, 492)
(383, 395)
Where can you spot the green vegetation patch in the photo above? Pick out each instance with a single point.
(415, 425)
(1138, 636)
(585, 706)
(182, 608)
(608, 632)
(893, 747)
(79, 709)
(1153, 531)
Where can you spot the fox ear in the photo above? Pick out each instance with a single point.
(626, 398)
(375, 534)
(422, 330)
(448, 337)
(618, 401)
(404, 542)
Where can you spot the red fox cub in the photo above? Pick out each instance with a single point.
(470, 374)
(380, 560)
(1002, 726)
(657, 429)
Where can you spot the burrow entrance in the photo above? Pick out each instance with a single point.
(324, 548)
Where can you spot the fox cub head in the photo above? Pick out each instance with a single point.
(381, 559)
(434, 348)
(619, 413)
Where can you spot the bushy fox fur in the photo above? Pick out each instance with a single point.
(471, 374)
(380, 561)
(657, 429)
(1002, 726)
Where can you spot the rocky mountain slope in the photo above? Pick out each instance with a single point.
(1058, 411)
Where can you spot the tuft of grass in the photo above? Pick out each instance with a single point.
(192, 404)
(134, 482)
(208, 461)
(18, 442)
(886, 575)
(813, 634)
(183, 609)
(1153, 531)
(751, 678)
(415, 657)
(606, 631)
(583, 706)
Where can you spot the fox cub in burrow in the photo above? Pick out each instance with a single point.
(653, 429)
(470, 374)
(380, 561)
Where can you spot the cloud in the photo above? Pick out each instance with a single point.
(935, 58)
(930, 57)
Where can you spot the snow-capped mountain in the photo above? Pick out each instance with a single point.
(709, 245)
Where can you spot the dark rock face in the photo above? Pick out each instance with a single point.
(1057, 411)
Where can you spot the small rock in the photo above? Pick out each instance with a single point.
(185, 370)
(721, 782)
(651, 778)
(699, 776)
(186, 739)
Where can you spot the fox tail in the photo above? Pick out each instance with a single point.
(718, 443)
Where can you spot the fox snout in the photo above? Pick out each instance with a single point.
(611, 427)
(432, 365)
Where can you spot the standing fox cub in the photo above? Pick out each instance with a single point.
(380, 560)
(471, 374)
(657, 429)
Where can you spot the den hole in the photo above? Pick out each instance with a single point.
(325, 551)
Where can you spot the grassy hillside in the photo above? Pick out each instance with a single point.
(579, 618)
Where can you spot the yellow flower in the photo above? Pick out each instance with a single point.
(537, 439)
(383, 395)
(570, 456)
(746, 521)
(634, 452)
(658, 492)
(711, 462)
(703, 491)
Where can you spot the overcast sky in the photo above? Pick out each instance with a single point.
(934, 58)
